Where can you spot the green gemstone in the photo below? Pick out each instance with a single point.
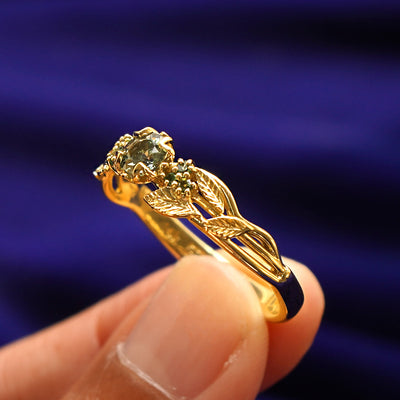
(183, 182)
(146, 150)
(171, 177)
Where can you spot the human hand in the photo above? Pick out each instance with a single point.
(192, 332)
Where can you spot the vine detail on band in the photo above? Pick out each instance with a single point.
(147, 157)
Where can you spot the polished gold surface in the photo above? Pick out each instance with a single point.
(183, 190)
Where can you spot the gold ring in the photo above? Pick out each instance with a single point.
(183, 190)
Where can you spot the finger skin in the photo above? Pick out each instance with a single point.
(241, 373)
(242, 378)
(107, 378)
(44, 365)
(47, 363)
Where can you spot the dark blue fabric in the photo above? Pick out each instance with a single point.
(294, 105)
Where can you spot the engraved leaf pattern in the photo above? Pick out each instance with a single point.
(210, 190)
(226, 227)
(164, 202)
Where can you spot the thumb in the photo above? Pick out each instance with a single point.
(201, 336)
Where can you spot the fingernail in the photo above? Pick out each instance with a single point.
(192, 327)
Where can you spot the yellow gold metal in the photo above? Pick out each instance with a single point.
(181, 191)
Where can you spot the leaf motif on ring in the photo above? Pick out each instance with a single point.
(210, 190)
(164, 202)
(226, 227)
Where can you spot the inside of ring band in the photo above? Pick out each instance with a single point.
(181, 241)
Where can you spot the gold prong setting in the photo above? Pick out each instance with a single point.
(180, 176)
(137, 158)
(148, 156)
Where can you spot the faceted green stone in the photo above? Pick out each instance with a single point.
(171, 177)
(183, 182)
(146, 150)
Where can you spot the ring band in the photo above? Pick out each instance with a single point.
(183, 190)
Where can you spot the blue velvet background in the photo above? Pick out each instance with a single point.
(296, 104)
